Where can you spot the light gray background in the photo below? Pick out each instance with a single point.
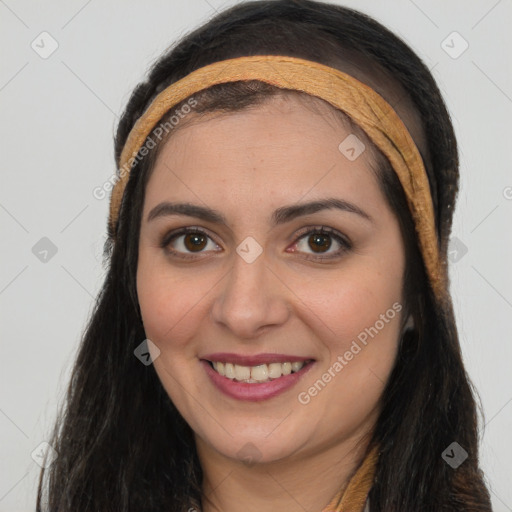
(58, 118)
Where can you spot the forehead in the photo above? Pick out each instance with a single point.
(276, 153)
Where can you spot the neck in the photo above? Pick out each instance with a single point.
(301, 483)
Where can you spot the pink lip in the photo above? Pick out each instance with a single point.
(254, 392)
(253, 360)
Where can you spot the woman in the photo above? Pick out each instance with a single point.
(275, 330)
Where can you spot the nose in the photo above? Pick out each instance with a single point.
(251, 298)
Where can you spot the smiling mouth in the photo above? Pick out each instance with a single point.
(259, 373)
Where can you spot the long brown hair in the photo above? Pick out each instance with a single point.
(121, 443)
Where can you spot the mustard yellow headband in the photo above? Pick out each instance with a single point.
(366, 108)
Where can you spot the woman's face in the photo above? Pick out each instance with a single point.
(257, 284)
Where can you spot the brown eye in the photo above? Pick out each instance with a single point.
(188, 241)
(195, 241)
(319, 242)
(323, 241)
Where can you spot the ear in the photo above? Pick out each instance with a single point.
(409, 325)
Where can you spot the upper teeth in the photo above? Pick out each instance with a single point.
(260, 373)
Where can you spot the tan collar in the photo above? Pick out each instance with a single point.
(352, 497)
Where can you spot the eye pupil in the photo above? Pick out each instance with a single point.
(195, 241)
(320, 242)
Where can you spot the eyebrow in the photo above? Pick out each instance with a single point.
(279, 216)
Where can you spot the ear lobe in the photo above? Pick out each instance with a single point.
(409, 326)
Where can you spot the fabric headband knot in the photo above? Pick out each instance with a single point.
(360, 102)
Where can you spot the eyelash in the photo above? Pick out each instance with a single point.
(321, 230)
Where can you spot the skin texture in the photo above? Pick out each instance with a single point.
(245, 165)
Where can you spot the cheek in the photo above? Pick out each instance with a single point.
(356, 315)
(347, 302)
(175, 303)
(357, 326)
(168, 303)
